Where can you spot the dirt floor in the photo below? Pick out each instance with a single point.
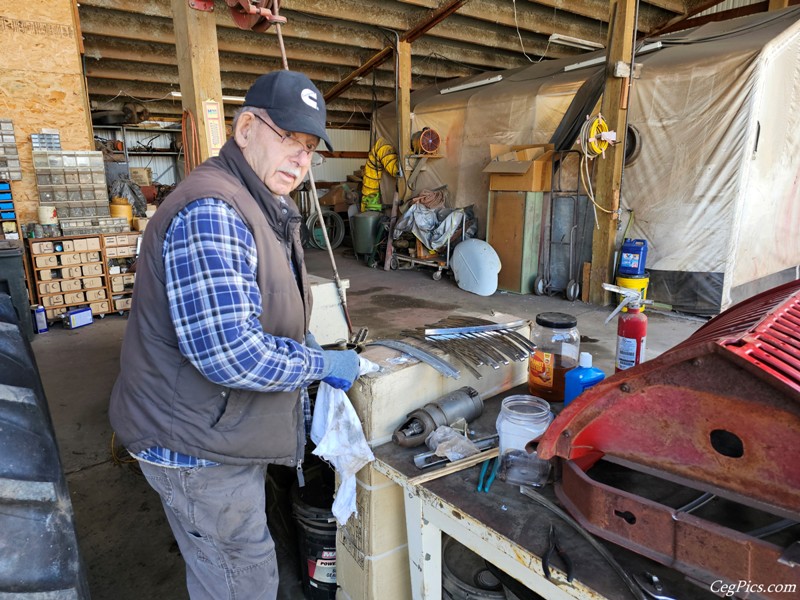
(124, 540)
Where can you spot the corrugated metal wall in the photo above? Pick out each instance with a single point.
(727, 5)
(337, 169)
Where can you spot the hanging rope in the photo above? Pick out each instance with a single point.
(191, 145)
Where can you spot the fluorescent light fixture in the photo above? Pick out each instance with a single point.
(568, 40)
(471, 84)
(233, 99)
(585, 63)
(600, 59)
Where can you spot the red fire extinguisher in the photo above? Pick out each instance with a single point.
(631, 328)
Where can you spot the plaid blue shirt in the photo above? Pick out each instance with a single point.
(210, 263)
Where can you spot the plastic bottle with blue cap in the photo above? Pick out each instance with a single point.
(581, 378)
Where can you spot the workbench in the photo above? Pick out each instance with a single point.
(506, 528)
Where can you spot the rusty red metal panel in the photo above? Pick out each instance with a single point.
(703, 550)
(706, 412)
(718, 413)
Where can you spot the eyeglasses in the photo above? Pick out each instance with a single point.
(299, 146)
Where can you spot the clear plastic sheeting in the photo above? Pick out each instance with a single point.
(714, 184)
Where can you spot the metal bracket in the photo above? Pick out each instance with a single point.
(202, 5)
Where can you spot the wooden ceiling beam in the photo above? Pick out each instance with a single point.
(127, 26)
(408, 36)
(169, 110)
(148, 91)
(100, 48)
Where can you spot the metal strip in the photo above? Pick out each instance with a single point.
(444, 367)
(476, 328)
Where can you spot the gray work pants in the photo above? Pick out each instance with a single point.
(218, 516)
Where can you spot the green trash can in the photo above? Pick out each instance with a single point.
(365, 231)
(12, 282)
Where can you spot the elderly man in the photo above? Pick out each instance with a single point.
(216, 357)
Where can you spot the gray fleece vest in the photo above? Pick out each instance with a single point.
(159, 398)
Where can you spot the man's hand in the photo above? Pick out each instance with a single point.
(341, 368)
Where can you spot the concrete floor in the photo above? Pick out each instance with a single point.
(124, 540)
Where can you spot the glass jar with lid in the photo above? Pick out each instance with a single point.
(557, 350)
(522, 419)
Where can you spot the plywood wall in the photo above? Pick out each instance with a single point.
(41, 84)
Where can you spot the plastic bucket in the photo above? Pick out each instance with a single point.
(122, 210)
(316, 535)
(365, 231)
(634, 282)
(47, 215)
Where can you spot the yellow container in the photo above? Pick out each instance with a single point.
(634, 282)
(122, 210)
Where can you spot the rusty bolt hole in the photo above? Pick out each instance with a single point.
(727, 443)
(627, 516)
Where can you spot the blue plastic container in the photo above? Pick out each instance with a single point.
(581, 378)
(634, 257)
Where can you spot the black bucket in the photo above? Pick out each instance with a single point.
(465, 575)
(316, 532)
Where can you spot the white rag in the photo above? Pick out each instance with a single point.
(337, 432)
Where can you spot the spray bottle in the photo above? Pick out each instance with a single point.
(631, 327)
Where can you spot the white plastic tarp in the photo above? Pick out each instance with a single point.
(715, 189)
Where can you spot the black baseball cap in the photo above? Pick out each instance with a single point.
(292, 101)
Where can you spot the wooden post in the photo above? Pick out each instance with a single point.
(609, 169)
(404, 135)
(198, 73)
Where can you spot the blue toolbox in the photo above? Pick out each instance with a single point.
(78, 317)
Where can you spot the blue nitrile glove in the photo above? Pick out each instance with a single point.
(311, 342)
(341, 368)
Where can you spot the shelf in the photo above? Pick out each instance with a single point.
(73, 279)
(154, 153)
(102, 287)
(97, 262)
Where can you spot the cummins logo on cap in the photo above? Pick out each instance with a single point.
(309, 97)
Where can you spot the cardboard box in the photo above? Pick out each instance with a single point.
(41, 247)
(122, 304)
(111, 252)
(141, 175)
(71, 259)
(99, 308)
(71, 272)
(92, 282)
(339, 198)
(74, 298)
(46, 261)
(369, 577)
(80, 245)
(91, 270)
(129, 278)
(49, 287)
(93, 243)
(69, 246)
(380, 526)
(139, 223)
(94, 295)
(56, 300)
(520, 168)
(70, 285)
(111, 240)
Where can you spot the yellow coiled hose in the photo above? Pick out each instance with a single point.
(381, 157)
